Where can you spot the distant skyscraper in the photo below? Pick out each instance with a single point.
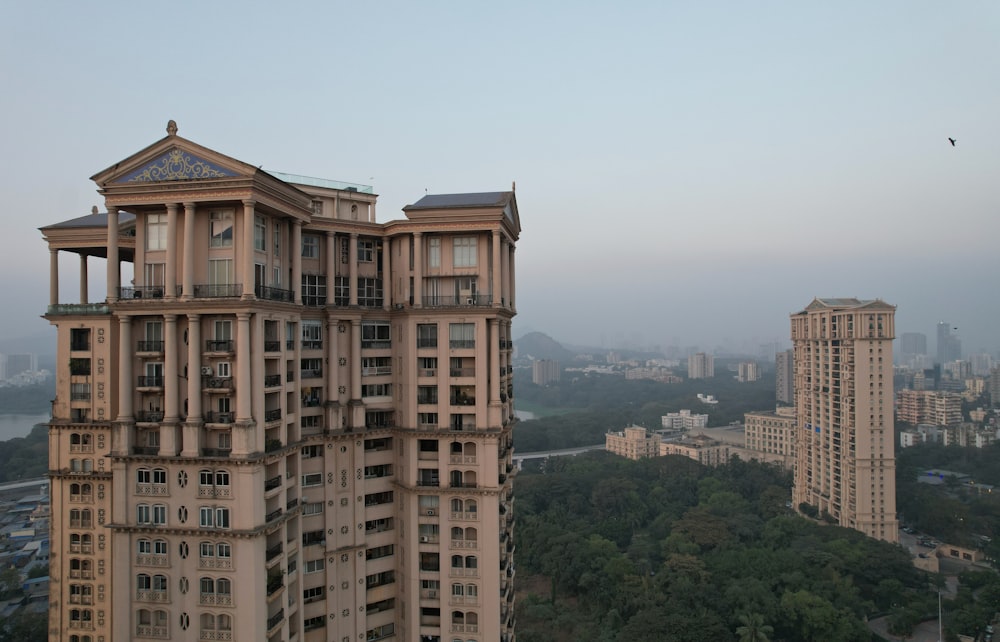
(784, 365)
(701, 366)
(845, 457)
(18, 363)
(544, 371)
(949, 347)
(912, 344)
(748, 371)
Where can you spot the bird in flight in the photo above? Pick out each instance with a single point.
(952, 141)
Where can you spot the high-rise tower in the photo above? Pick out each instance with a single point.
(292, 413)
(845, 456)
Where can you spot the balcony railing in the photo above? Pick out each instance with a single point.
(274, 294)
(273, 552)
(218, 290)
(145, 381)
(141, 292)
(272, 346)
(273, 585)
(221, 383)
(271, 381)
(272, 415)
(462, 343)
(218, 417)
(146, 450)
(219, 345)
(313, 300)
(272, 483)
(457, 301)
(277, 618)
(149, 346)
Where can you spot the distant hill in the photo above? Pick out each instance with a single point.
(542, 346)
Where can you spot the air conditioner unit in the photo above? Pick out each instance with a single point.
(424, 539)
(431, 512)
(206, 370)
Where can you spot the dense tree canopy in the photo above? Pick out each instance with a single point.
(665, 549)
(25, 457)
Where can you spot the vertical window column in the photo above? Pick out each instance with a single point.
(125, 381)
(114, 270)
(494, 339)
(510, 276)
(244, 412)
(296, 253)
(190, 443)
(168, 431)
(170, 284)
(418, 270)
(353, 267)
(496, 270)
(386, 274)
(248, 251)
(83, 278)
(187, 280)
(355, 374)
(331, 266)
(332, 368)
(54, 276)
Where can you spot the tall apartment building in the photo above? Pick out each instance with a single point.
(747, 372)
(295, 423)
(784, 380)
(701, 366)
(949, 346)
(932, 407)
(844, 445)
(545, 371)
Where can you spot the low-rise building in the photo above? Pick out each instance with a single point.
(683, 420)
(635, 442)
(701, 448)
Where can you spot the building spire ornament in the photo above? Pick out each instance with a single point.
(171, 128)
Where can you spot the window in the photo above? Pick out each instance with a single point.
(220, 271)
(375, 334)
(313, 566)
(378, 525)
(213, 517)
(342, 290)
(312, 334)
(312, 479)
(434, 252)
(312, 594)
(369, 292)
(310, 246)
(381, 443)
(259, 233)
(315, 450)
(464, 249)
(345, 250)
(427, 366)
(143, 514)
(380, 579)
(378, 552)
(427, 419)
(154, 274)
(79, 339)
(276, 239)
(221, 228)
(312, 623)
(376, 499)
(427, 335)
(380, 470)
(376, 390)
(366, 251)
(313, 289)
(427, 394)
(312, 508)
(156, 232)
(462, 335)
(371, 366)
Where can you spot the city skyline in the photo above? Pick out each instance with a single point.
(684, 160)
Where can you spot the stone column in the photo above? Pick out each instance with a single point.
(418, 270)
(332, 361)
(353, 269)
(53, 276)
(171, 416)
(386, 274)
(83, 279)
(170, 279)
(190, 444)
(187, 279)
(496, 271)
(248, 251)
(114, 269)
(125, 379)
(296, 252)
(510, 279)
(355, 369)
(244, 387)
(505, 273)
(493, 336)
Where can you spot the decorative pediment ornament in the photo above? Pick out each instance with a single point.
(175, 165)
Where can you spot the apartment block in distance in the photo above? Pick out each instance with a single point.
(294, 423)
(701, 366)
(844, 444)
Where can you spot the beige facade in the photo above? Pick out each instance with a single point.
(702, 449)
(635, 442)
(772, 433)
(295, 423)
(933, 407)
(701, 366)
(844, 445)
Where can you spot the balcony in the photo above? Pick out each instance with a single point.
(147, 451)
(219, 345)
(59, 309)
(273, 552)
(462, 372)
(271, 484)
(277, 618)
(273, 585)
(218, 290)
(141, 292)
(222, 384)
(464, 300)
(223, 418)
(272, 415)
(272, 381)
(272, 346)
(146, 381)
(274, 294)
(310, 373)
(216, 452)
(462, 343)
(149, 346)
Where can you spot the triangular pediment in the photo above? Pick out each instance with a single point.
(175, 165)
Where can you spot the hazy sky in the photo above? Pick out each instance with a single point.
(687, 173)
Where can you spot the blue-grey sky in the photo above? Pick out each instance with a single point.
(687, 173)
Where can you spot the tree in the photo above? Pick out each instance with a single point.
(753, 629)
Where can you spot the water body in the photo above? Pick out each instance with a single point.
(12, 426)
